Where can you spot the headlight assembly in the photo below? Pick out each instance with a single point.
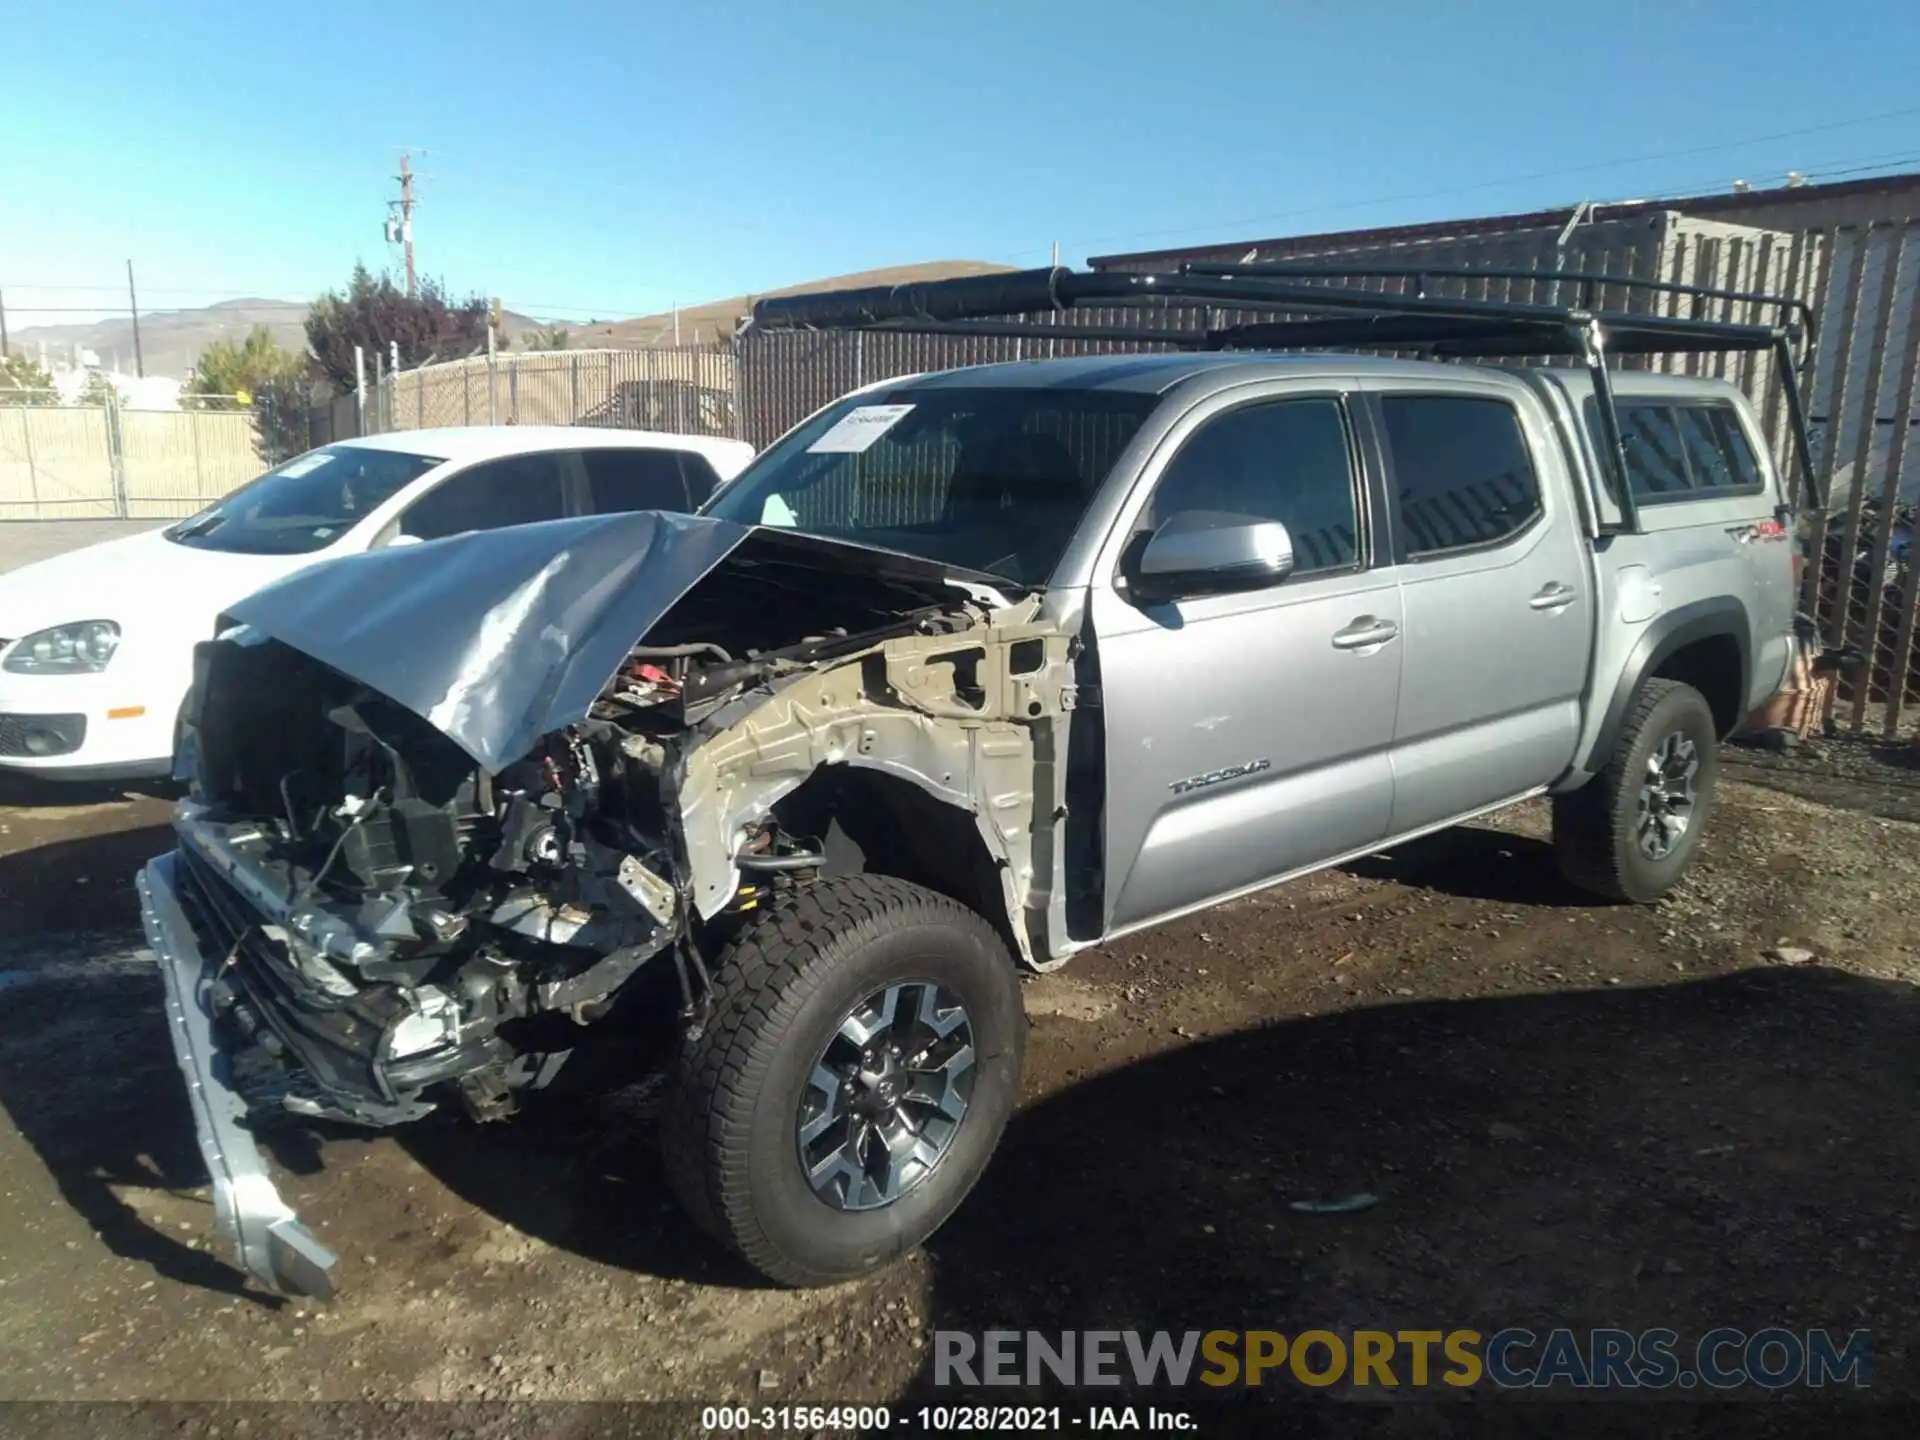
(82, 648)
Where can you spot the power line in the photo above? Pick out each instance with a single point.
(102, 309)
(596, 311)
(151, 290)
(1450, 191)
(1833, 171)
(1840, 168)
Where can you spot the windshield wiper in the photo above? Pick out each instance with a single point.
(193, 529)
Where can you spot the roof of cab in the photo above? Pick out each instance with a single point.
(487, 442)
(1158, 373)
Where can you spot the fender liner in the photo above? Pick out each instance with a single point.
(1666, 634)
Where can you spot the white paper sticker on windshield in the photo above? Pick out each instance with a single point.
(294, 469)
(854, 431)
(777, 513)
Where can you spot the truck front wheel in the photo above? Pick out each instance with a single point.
(1631, 831)
(858, 1066)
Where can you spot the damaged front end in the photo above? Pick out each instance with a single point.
(407, 876)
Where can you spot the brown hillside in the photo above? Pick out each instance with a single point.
(701, 324)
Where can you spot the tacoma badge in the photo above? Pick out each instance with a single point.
(1215, 777)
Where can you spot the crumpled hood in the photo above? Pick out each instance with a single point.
(499, 637)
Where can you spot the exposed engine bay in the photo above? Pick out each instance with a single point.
(401, 922)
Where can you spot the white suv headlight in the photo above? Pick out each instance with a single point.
(82, 648)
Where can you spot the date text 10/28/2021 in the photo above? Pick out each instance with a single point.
(943, 1419)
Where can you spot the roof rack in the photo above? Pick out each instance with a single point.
(1336, 318)
(1794, 312)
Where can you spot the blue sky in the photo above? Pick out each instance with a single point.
(612, 159)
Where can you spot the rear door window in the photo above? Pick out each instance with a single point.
(1461, 470)
(702, 478)
(645, 479)
(517, 490)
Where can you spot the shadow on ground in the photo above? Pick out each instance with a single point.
(87, 1073)
(17, 788)
(1731, 1152)
(84, 884)
(1869, 773)
(1478, 864)
(583, 1177)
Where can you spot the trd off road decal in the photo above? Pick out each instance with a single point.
(1765, 530)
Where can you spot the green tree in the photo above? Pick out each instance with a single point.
(271, 379)
(377, 314)
(552, 337)
(99, 390)
(245, 367)
(24, 381)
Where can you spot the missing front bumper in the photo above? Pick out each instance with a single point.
(268, 1239)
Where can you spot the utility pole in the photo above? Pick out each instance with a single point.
(133, 304)
(405, 206)
(4, 352)
(493, 333)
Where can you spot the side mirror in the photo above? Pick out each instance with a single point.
(1210, 552)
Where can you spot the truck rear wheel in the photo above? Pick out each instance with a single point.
(856, 1072)
(1631, 831)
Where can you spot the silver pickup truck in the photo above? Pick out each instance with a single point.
(969, 672)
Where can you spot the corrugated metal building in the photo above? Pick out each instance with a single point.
(1878, 201)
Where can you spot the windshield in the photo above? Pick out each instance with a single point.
(994, 480)
(305, 505)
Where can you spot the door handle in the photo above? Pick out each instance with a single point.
(1552, 596)
(1365, 631)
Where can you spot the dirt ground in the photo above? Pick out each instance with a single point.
(1689, 1115)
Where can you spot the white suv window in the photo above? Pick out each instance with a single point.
(646, 479)
(516, 490)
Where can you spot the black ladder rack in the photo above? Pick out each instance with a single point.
(1337, 318)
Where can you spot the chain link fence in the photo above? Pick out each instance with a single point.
(687, 391)
(1865, 405)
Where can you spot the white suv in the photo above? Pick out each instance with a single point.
(96, 646)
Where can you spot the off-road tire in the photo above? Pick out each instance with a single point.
(1595, 828)
(781, 989)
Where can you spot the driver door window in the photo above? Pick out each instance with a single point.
(1277, 755)
(1287, 460)
(517, 490)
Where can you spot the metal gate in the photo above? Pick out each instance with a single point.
(61, 462)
